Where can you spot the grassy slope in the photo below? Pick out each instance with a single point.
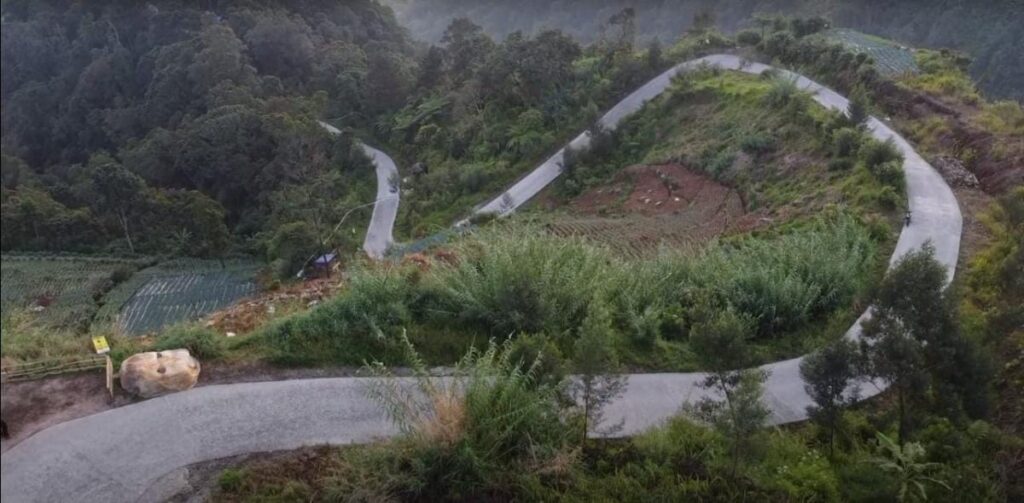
(721, 124)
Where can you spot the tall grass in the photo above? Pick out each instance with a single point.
(352, 328)
(510, 279)
(481, 427)
(786, 281)
(521, 280)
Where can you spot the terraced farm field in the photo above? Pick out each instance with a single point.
(890, 58)
(63, 291)
(634, 236)
(177, 291)
(79, 292)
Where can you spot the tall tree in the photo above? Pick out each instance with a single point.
(466, 47)
(719, 339)
(830, 377)
(596, 366)
(912, 340)
(117, 191)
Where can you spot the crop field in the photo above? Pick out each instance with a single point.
(78, 292)
(890, 58)
(635, 236)
(63, 291)
(177, 291)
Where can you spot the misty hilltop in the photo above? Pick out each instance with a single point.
(991, 30)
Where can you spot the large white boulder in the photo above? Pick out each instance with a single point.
(155, 373)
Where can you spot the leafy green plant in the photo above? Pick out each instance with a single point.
(874, 153)
(352, 328)
(473, 429)
(846, 142)
(911, 471)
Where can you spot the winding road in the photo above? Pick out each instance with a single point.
(139, 451)
(380, 232)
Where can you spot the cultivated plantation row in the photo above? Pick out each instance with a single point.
(135, 295)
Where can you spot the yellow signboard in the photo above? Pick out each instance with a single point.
(100, 343)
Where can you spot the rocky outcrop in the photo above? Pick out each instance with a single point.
(954, 172)
(155, 373)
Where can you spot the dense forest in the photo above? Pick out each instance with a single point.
(166, 127)
(989, 30)
(192, 130)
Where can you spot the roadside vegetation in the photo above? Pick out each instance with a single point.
(510, 281)
(502, 429)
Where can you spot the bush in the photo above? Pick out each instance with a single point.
(802, 474)
(529, 349)
(479, 430)
(784, 282)
(289, 248)
(717, 162)
(862, 481)
(231, 480)
(354, 327)
(874, 153)
(757, 143)
(202, 343)
(840, 164)
(890, 174)
(782, 92)
(845, 142)
(525, 281)
(679, 442)
(748, 38)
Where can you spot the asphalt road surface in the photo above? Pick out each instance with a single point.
(132, 452)
(380, 233)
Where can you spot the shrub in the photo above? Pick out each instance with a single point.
(802, 474)
(231, 480)
(748, 37)
(888, 198)
(890, 174)
(356, 326)
(717, 162)
(840, 164)
(874, 153)
(528, 349)
(845, 142)
(525, 281)
(289, 248)
(202, 343)
(784, 282)
(679, 442)
(861, 481)
(782, 92)
(757, 143)
(487, 424)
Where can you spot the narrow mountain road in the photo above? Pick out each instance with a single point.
(380, 232)
(121, 454)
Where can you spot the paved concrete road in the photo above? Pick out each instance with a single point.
(379, 234)
(116, 455)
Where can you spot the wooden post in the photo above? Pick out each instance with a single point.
(110, 376)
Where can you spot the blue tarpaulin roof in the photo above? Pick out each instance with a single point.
(323, 260)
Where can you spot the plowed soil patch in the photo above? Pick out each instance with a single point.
(647, 207)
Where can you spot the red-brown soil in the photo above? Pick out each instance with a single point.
(646, 207)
